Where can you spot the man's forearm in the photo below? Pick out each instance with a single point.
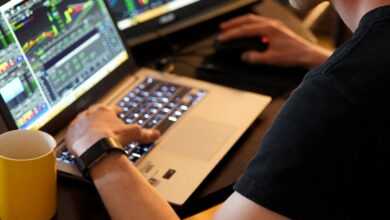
(126, 193)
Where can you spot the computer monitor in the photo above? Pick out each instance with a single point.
(52, 52)
(144, 20)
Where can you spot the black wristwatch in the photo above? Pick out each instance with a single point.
(96, 153)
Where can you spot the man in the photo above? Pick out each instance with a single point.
(325, 157)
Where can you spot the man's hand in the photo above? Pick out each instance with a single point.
(123, 189)
(99, 122)
(286, 48)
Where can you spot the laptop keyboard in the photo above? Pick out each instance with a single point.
(152, 104)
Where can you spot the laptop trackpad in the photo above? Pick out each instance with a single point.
(197, 138)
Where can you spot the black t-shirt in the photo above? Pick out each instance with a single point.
(327, 155)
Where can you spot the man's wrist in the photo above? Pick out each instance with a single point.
(114, 161)
(103, 148)
(314, 56)
(87, 141)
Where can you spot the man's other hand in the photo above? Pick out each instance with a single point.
(100, 121)
(286, 48)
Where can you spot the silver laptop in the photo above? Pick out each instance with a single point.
(59, 57)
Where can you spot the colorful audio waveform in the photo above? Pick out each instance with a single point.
(75, 10)
(7, 65)
(42, 37)
(70, 14)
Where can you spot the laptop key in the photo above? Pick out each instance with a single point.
(184, 108)
(146, 147)
(165, 125)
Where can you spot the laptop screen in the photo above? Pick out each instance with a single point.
(130, 13)
(51, 53)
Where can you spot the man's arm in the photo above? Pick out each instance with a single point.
(239, 207)
(126, 193)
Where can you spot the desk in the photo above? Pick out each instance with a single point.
(80, 201)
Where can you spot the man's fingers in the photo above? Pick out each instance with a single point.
(241, 20)
(95, 108)
(91, 109)
(135, 133)
(116, 109)
(249, 30)
(102, 108)
(255, 57)
(148, 136)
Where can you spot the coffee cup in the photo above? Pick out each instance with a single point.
(27, 175)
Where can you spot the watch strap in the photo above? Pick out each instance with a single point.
(96, 153)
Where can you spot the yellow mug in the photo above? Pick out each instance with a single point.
(28, 185)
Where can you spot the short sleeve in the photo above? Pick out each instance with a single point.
(300, 169)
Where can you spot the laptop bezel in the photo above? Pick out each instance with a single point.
(63, 119)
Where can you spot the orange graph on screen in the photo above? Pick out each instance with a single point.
(5, 66)
(42, 37)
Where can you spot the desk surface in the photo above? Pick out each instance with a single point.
(80, 201)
